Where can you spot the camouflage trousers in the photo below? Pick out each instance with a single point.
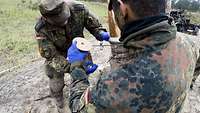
(56, 82)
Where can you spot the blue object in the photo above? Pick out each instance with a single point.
(90, 67)
(75, 55)
(105, 36)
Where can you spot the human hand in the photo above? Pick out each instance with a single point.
(105, 36)
(90, 67)
(75, 55)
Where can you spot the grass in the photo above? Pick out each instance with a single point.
(16, 29)
(17, 43)
(98, 9)
(194, 17)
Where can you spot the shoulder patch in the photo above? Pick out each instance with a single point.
(39, 25)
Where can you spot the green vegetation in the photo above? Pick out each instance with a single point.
(191, 5)
(194, 17)
(102, 1)
(16, 33)
(98, 9)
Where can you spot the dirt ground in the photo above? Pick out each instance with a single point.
(21, 91)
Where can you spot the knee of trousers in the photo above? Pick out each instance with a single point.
(56, 79)
(52, 73)
(56, 86)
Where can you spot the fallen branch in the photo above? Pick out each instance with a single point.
(15, 67)
(42, 98)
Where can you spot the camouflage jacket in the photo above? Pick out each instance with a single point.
(54, 41)
(154, 78)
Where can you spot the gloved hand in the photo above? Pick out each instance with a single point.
(105, 36)
(75, 55)
(90, 67)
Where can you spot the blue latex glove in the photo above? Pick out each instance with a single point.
(90, 67)
(105, 36)
(75, 55)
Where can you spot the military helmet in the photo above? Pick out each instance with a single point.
(55, 10)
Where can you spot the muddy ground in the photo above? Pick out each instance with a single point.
(21, 90)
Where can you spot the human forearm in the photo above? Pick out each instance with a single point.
(54, 59)
(78, 86)
(93, 25)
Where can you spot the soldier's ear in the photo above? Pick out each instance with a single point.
(123, 8)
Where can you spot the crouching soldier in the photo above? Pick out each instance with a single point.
(60, 23)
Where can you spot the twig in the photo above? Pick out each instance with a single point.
(15, 67)
(42, 98)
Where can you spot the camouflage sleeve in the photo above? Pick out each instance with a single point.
(197, 68)
(48, 51)
(127, 86)
(92, 24)
(135, 88)
(194, 42)
(78, 86)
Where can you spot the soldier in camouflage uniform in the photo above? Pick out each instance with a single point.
(156, 69)
(60, 23)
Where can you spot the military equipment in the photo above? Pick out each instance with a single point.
(183, 24)
(82, 44)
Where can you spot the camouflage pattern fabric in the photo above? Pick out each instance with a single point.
(196, 73)
(155, 79)
(53, 42)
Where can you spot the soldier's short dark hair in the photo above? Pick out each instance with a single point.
(143, 8)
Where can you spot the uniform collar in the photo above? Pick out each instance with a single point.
(135, 26)
(151, 34)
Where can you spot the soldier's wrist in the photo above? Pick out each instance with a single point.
(99, 36)
(67, 68)
(77, 71)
